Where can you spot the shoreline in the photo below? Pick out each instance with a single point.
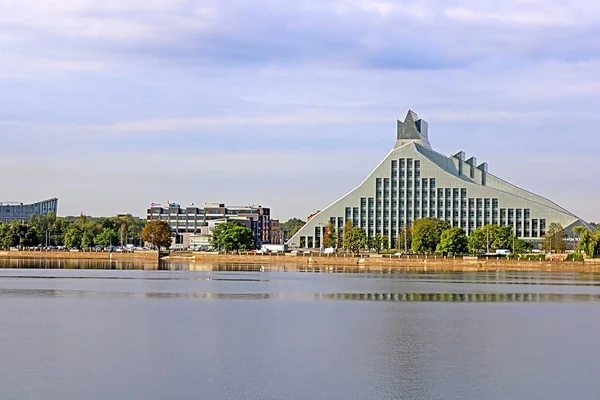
(287, 262)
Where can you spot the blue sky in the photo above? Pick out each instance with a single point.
(113, 105)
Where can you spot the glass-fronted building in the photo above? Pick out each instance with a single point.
(15, 211)
(414, 182)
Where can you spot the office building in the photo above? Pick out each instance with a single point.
(15, 211)
(414, 181)
(193, 225)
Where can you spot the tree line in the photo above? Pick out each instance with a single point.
(72, 232)
(432, 235)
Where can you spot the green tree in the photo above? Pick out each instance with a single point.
(291, 227)
(232, 236)
(554, 238)
(73, 236)
(453, 240)
(589, 243)
(477, 241)
(427, 234)
(330, 237)
(356, 239)
(107, 237)
(347, 227)
(87, 238)
(502, 238)
(18, 233)
(59, 230)
(378, 242)
(522, 246)
(43, 225)
(158, 234)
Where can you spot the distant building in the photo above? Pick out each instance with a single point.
(414, 181)
(276, 232)
(15, 211)
(193, 225)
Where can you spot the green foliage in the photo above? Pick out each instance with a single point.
(378, 243)
(355, 239)
(291, 227)
(522, 246)
(330, 238)
(501, 237)
(107, 237)
(477, 241)
(427, 233)
(18, 234)
(232, 236)
(589, 243)
(454, 241)
(73, 236)
(574, 257)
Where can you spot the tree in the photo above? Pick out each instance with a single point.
(477, 241)
(158, 234)
(43, 225)
(291, 227)
(378, 242)
(453, 240)
(18, 233)
(330, 237)
(522, 246)
(73, 236)
(107, 237)
(502, 238)
(404, 240)
(356, 239)
(347, 227)
(88, 237)
(232, 236)
(427, 233)
(589, 243)
(554, 238)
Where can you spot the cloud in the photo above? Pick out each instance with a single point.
(90, 88)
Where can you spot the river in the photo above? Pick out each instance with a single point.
(99, 330)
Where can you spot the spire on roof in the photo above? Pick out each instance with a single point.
(413, 129)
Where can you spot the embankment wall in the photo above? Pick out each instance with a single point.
(81, 255)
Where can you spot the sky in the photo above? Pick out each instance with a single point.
(112, 105)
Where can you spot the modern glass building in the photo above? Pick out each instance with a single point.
(414, 182)
(14, 211)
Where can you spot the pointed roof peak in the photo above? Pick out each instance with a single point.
(413, 129)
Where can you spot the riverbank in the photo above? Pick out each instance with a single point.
(379, 263)
(318, 263)
(81, 255)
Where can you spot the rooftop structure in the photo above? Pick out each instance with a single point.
(414, 181)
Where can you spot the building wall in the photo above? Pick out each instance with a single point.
(415, 182)
(191, 220)
(22, 212)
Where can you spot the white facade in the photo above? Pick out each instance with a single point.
(414, 182)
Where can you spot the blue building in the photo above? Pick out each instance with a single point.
(22, 212)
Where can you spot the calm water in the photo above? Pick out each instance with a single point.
(143, 333)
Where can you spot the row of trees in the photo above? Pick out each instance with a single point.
(79, 232)
(428, 236)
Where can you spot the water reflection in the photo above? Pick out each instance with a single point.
(378, 297)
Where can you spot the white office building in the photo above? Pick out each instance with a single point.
(414, 181)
